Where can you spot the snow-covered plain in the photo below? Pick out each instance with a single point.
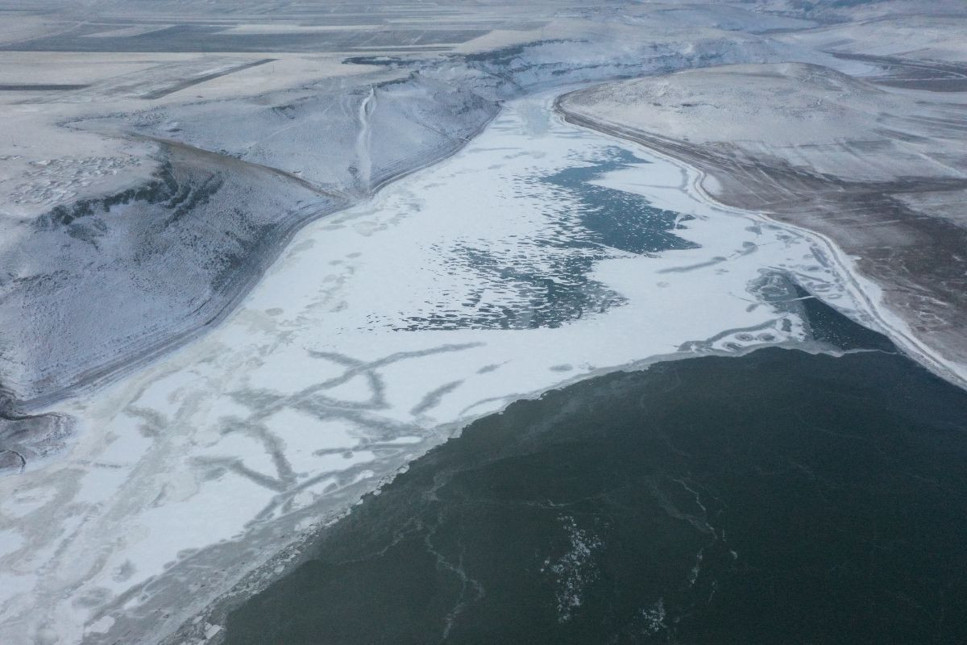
(379, 333)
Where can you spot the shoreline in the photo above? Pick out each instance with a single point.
(889, 323)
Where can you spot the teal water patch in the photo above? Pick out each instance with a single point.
(826, 325)
(518, 293)
(823, 324)
(772, 498)
(615, 218)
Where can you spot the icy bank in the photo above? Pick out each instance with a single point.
(883, 189)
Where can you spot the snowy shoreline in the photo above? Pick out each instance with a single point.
(877, 314)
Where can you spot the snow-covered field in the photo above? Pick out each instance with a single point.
(372, 339)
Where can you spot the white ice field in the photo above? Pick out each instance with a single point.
(376, 336)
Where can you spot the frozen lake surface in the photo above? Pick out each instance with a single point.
(539, 255)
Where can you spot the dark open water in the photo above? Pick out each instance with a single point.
(779, 497)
